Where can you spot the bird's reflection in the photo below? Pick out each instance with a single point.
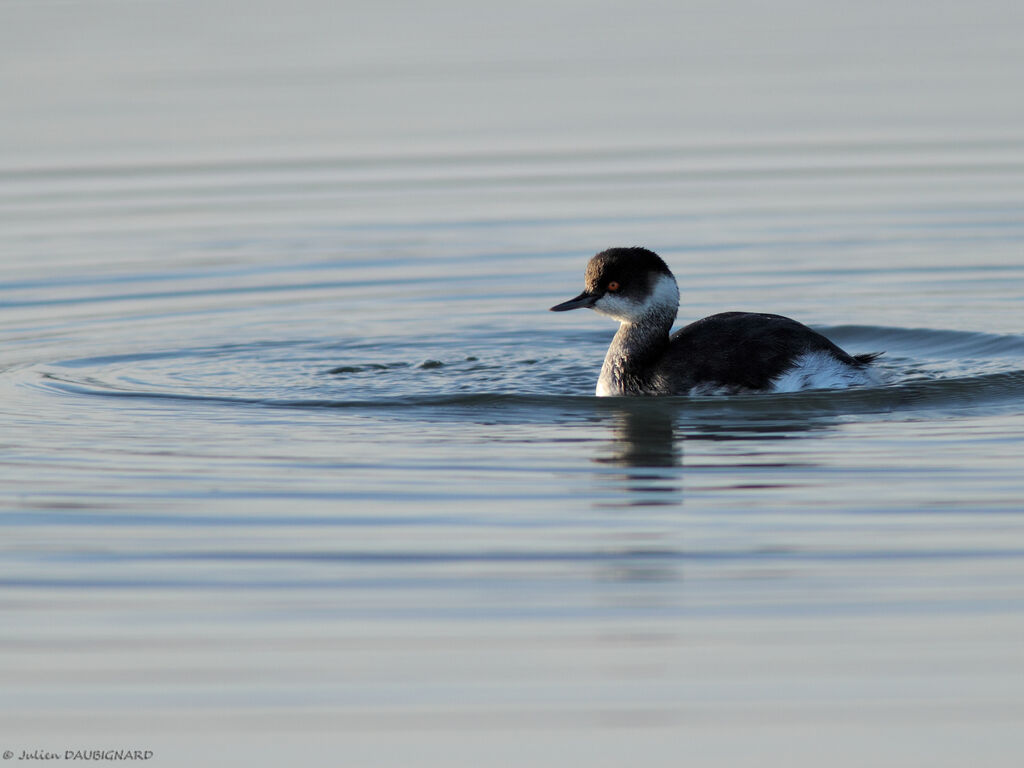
(644, 438)
(648, 435)
(644, 444)
(641, 466)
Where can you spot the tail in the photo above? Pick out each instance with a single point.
(866, 359)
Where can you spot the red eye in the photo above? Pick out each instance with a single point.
(613, 286)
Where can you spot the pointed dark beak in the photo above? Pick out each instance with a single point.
(583, 300)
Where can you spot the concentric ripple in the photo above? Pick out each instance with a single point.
(923, 369)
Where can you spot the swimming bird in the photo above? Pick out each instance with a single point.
(727, 353)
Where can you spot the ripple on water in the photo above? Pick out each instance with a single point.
(924, 369)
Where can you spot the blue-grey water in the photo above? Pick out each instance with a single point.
(298, 469)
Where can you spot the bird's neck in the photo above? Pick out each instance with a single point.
(635, 348)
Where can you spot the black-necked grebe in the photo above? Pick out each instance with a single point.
(726, 353)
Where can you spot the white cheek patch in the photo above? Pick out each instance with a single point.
(662, 300)
(619, 307)
(665, 296)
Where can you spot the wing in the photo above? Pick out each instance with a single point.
(742, 350)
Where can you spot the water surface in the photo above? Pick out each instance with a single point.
(297, 465)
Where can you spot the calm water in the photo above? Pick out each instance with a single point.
(297, 465)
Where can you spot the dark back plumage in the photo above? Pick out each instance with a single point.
(742, 351)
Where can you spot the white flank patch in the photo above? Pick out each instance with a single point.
(820, 370)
